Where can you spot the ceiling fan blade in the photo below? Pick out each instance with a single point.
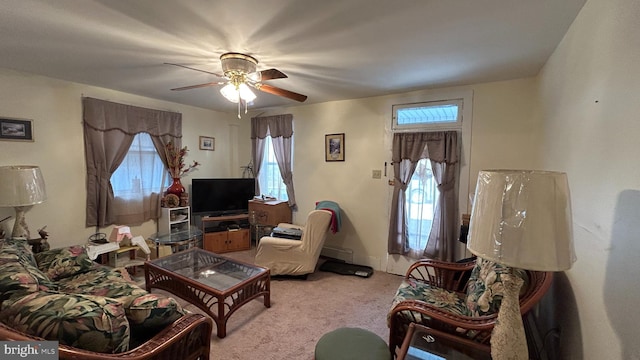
(271, 74)
(190, 68)
(281, 92)
(199, 85)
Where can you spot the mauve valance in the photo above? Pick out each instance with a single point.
(274, 126)
(439, 146)
(104, 115)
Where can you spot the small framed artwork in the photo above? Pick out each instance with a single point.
(334, 147)
(16, 129)
(207, 143)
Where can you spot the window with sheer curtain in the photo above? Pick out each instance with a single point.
(139, 179)
(113, 132)
(426, 167)
(272, 146)
(269, 178)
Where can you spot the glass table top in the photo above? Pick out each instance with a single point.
(178, 236)
(207, 268)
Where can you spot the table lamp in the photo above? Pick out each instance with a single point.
(21, 186)
(520, 219)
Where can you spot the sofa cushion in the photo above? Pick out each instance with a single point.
(413, 289)
(64, 262)
(88, 322)
(485, 288)
(20, 247)
(149, 311)
(16, 277)
(18, 272)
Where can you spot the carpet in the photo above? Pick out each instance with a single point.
(301, 312)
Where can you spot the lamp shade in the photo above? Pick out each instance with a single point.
(522, 219)
(21, 185)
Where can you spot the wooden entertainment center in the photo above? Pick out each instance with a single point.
(229, 235)
(232, 232)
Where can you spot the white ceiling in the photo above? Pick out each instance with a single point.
(330, 49)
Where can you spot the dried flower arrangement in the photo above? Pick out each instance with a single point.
(175, 160)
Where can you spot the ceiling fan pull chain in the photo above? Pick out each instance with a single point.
(239, 101)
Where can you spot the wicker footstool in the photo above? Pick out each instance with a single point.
(351, 344)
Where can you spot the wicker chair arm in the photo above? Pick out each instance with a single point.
(187, 338)
(445, 275)
(433, 312)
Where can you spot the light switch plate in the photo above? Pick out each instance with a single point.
(376, 174)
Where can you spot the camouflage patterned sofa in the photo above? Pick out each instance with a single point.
(62, 295)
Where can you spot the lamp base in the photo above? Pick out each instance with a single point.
(20, 228)
(508, 340)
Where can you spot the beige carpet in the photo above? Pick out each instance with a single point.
(301, 312)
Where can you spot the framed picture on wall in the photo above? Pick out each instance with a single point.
(334, 147)
(207, 143)
(16, 129)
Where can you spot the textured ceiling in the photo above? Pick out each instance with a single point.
(331, 50)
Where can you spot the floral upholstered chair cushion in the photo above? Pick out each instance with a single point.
(143, 309)
(485, 288)
(18, 271)
(413, 289)
(88, 322)
(64, 262)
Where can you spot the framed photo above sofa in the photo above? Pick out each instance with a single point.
(16, 129)
(334, 147)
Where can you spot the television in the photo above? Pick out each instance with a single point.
(217, 197)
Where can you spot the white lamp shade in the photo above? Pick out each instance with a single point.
(522, 219)
(21, 185)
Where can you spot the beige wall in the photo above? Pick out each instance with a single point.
(589, 105)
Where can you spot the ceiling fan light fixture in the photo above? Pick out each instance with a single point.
(230, 93)
(235, 94)
(246, 94)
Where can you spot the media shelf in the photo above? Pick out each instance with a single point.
(226, 233)
(173, 220)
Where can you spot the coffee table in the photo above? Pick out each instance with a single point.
(216, 284)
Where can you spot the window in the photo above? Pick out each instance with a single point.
(269, 178)
(141, 173)
(434, 115)
(422, 193)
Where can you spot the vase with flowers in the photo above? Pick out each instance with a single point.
(177, 168)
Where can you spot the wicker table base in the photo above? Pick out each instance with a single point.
(217, 285)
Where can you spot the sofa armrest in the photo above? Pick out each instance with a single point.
(446, 275)
(187, 338)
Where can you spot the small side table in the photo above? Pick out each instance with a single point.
(423, 343)
(179, 240)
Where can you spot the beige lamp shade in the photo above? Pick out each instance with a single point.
(21, 185)
(522, 219)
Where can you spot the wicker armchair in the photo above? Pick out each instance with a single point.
(448, 310)
(188, 338)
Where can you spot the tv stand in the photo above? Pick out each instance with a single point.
(225, 233)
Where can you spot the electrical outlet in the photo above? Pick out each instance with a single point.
(376, 174)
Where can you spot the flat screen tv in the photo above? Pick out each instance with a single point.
(217, 197)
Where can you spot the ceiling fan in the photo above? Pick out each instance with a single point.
(239, 74)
